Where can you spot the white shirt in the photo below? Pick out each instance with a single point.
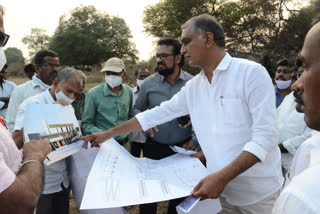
(55, 173)
(303, 193)
(140, 136)
(292, 129)
(301, 159)
(5, 91)
(234, 113)
(19, 94)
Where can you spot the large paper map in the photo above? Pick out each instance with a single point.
(118, 179)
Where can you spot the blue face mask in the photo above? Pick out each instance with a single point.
(62, 96)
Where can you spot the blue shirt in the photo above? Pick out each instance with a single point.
(279, 97)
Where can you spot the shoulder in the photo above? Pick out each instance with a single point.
(96, 89)
(11, 84)
(187, 76)
(151, 79)
(126, 87)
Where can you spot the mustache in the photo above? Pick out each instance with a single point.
(280, 78)
(298, 97)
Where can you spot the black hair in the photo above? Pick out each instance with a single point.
(283, 62)
(176, 46)
(29, 68)
(42, 54)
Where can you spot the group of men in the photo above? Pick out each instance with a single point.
(231, 105)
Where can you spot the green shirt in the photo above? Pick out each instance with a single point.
(105, 109)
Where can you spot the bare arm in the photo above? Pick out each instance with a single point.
(95, 139)
(17, 136)
(213, 185)
(23, 194)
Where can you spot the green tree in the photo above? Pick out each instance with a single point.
(37, 40)
(14, 55)
(88, 37)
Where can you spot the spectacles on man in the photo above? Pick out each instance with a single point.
(3, 39)
(163, 56)
(51, 66)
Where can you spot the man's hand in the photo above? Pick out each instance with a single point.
(62, 102)
(210, 187)
(189, 145)
(96, 138)
(201, 157)
(36, 150)
(150, 131)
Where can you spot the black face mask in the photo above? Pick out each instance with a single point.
(164, 71)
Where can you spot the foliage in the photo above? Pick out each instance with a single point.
(267, 27)
(36, 41)
(88, 37)
(14, 55)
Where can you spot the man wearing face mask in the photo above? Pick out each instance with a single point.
(138, 138)
(55, 194)
(109, 104)
(46, 65)
(283, 81)
(160, 87)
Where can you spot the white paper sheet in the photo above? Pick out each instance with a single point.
(118, 179)
(180, 150)
(56, 123)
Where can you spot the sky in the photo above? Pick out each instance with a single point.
(21, 16)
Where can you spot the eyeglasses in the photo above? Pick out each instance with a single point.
(163, 56)
(51, 66)
(3, 39)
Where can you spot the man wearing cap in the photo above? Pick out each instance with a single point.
(108, 104)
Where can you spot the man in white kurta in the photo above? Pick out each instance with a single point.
(231, 105)
(292, 130)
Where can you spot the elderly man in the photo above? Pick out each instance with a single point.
(231, 105)
(46, 64)
(20, 184)
(303, 193)
(6, 89)
(108, 104)
(56, 189)
(283, 81)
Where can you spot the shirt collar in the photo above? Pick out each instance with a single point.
(224, 63)
(47, 96)
(38, 82)
(135, 90)
(107, 91)
(277, 91)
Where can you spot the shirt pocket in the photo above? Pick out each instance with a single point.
(233, 112)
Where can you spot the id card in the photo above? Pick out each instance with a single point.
(187, 204)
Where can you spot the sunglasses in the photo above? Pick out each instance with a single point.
(3, 39)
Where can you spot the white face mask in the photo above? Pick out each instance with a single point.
(3, 59)
(283, 84)
(113, 81)
(139, 83)
(62, 96)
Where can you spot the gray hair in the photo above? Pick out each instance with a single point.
(68, 73)
(83, 76)
(206, 23)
